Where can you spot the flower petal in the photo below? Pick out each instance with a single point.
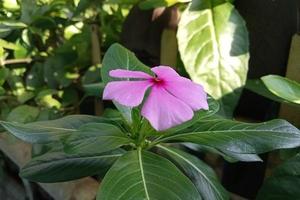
(127, 93)
(165, 72)
(164, 110)
(122, 73)
(189, 92)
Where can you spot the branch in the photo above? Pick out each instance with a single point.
(15, 61)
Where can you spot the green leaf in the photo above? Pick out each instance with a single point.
(144, 175)
(96, 138)
(49, 131)
(227, 155)
(7, 26)
(25, 96)
(213, 44)
(283, 87)
(8, 45)
(201, 174)
(283, 183)
(58, 166)
(35, 76)
(150, 4)
(4, 73)
(239, 137)
(2, 90)
(118, 57)
(23, 114)
(94, 89)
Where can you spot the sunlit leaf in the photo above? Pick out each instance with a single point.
(283, 87)
(213, 44)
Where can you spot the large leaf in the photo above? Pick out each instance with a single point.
(202, 175)
(258, 87)
(227, 155)
(213, 44)
(283, 87)
(238, 137)
(118, 57)
(144, 175)
(23, 114)
(283, 183)
(96, 138)
(48, 131)
(59, 166)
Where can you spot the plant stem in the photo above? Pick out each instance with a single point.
(15, 61)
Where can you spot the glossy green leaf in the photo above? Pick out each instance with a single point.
(59, 166)
(144, 175)
(49, 131)
(257, 86)
(239, 137)
(23, 114)
(283, 183)
(201, 174)
(96, 138)
(227, 155)
(118, 57)
(213, 44)
(283, 87)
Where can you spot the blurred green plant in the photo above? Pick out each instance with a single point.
(50, 51)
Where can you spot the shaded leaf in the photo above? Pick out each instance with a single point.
(96, 138)
(23, 114)
(58, 166)
(283, 183)
(201, 174)
(94, 89)
(49, 131)
(239, 137)
(144, 175)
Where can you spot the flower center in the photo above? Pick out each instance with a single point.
(157, 81)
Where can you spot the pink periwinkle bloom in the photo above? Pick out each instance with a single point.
(171, 101)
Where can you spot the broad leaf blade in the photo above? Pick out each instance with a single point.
(96, 138)
(144, 175)
(283, 183)
(239, 137)
(52, 130)
(58, 166)
(202, 175)
(213, 44)
(283, 88)
(34, 133)
(227, 155)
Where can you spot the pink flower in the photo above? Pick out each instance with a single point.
(171, 101)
